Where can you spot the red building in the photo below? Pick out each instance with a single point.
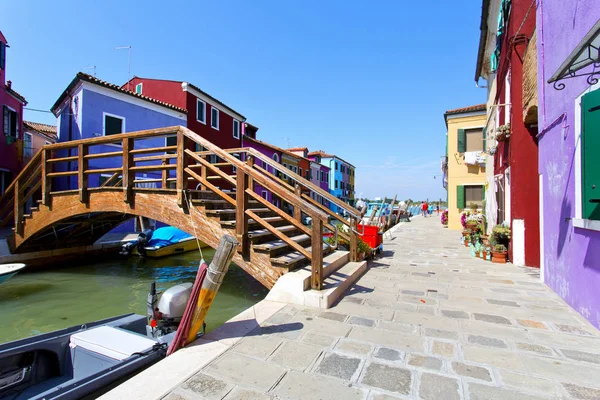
(207, 116)
(516, 158)
(11, 143)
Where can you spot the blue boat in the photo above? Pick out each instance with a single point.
(7, 271)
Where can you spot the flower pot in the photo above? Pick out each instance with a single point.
(499, 257)
(466, 243)
(361, 256)
(484, 253)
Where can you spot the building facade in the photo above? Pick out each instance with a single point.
(569, 144)
(35, 136)
(341, 176)
(11, 143)
(466, 161)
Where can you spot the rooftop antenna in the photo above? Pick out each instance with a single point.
(128, 63)
(288, 141)
(92, 67)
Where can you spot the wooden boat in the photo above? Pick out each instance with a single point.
(165, 241)
(7, 271)
(182, 246)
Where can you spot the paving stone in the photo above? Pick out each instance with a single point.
(440, 333)
(418, 300)
(353, 300)
(572, 329)
(298, 385)
(503, 303)
(486, 341)
(437, 295)
(425, 362)
(257, 346)
(581, 392)
(423, 274)
(353, 347)
(531, 324)
(503, 290)
(535, 348)
(528, 383)
(246, 371)
(382, 396)
(338, 366)
(496, 357)
(295, 355)
(323, 326)
(361, 321)
(319, 340)
(207, 386)
(180, 394)
(586, 374)
(443, 349)
(389, 354)
(455, 314)
(333, 316)
(426, 310)
(387, 338)
(496, 319)
(413, 292)
(436, 387)
(366, 311)
(503, 281)
(239, 393)
(581, 356)
(485, 392)
(393, 379)
(472, 371)
(397, 327)
(278, 318)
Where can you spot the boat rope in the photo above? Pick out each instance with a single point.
(189, 203)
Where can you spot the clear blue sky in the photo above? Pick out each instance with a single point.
(368, 81)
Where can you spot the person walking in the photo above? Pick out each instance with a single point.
(437, 208)
(424, 207)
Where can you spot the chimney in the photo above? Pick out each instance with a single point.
(8, 84)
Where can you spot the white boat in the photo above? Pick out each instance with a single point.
(7, 271)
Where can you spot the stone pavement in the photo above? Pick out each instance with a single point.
(427, 321)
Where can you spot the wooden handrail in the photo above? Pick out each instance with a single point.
(116, 139)
(25, 171)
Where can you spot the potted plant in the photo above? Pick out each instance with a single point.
(363, 249)
(444, 218)
(467, 239)
(484, 252)
(500, 235)
(499, 254)
(503, 132)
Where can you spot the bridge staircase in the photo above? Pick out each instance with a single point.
(70, 194)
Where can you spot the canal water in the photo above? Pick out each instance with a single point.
(43, 301)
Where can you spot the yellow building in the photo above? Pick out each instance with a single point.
(465, 160)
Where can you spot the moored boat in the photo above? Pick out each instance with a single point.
(161, 242)
(7, 271)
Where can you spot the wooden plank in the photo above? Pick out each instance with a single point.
(277, 233)
(211, 167)
(153, 167)
(325, 209)
(165, 176)
(34, 177)
(30, 193)
(65, 173)
(316, 278)
(46, 183)
(103, 155)
(160, 157)
(241, 218)
(127, 176)
(277, 211)
(161, 149)
(63, 159)
(353, 241)
(103, 170)
(108, 182)
(373, 213)
(117, 139)
(24, 172)
(82, 179)
(179, 172)
(298, 210)
(18, 211)
(389, 219)
(212, 187)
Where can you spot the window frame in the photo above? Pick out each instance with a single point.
(203, 121)
(11, 110)
(238, 128)
(141, 86)
(212, 120)
(123, 123)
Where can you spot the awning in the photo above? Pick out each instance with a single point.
(586, 53)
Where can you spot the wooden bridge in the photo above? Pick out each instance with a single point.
(193, 185)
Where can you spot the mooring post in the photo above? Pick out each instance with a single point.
(214, 277)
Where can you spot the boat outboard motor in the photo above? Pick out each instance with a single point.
(165, 317)
(139, 243)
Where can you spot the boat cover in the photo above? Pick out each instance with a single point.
(112, 342)
(167, 236)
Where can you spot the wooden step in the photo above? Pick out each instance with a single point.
(277, 246)
(263, 233)
(295, 259)
(212, 204)
(275, 221)
(229, 214)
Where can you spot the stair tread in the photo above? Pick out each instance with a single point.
(295, 256)
(279, 244)
(251, 221)
(265, 232)
(233, 211)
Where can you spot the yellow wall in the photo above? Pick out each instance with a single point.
(458, 172)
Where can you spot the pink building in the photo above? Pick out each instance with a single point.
(11, 143)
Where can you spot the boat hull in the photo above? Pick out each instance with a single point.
(176, 248)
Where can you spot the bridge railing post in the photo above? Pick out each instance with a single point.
(297, 210)
(180, 181)
(316, 279)
(353, 240)
(46, 182)
(241, 219)
(82, 177)
(18, 211)
(127, 174)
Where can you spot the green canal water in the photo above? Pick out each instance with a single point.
(43, 301)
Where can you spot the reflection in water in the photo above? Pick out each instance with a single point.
(43, 301)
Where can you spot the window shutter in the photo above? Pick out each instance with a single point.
(484, 139)
(2, 55)
(6, 121)
(462, 141)
(483, 192)
(460, 197)
(590, 163)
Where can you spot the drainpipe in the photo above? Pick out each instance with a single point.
(543, 64)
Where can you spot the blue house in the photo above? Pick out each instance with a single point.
(90, 107)
(341, 178)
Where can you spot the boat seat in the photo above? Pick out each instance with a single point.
(112, 342)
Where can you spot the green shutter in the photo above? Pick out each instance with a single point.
(482, 192)
(590, 148)
(484, 139)
(462, 141)
(460, 197)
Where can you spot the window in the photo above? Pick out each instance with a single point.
(343, 168)
(265, 195)
(27, 146)
(466, 195)
(308, 173)
(171, 141)
(300, 171)
(2, 55)
(276, 159)
(5, 180)
(236, 129)
(214, 118)
(201, 111)
(336, 183)
(11, 123)
(113, 124)
(336, 166)
(234, 169)
(470, 140)
(590, 164)
(138, 88)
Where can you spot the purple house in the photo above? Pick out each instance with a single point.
(269, 151)
(569, 145)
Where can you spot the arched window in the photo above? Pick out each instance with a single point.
(276, 157)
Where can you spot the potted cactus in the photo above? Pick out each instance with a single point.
(499, 254)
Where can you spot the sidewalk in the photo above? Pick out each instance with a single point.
(426, 321)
